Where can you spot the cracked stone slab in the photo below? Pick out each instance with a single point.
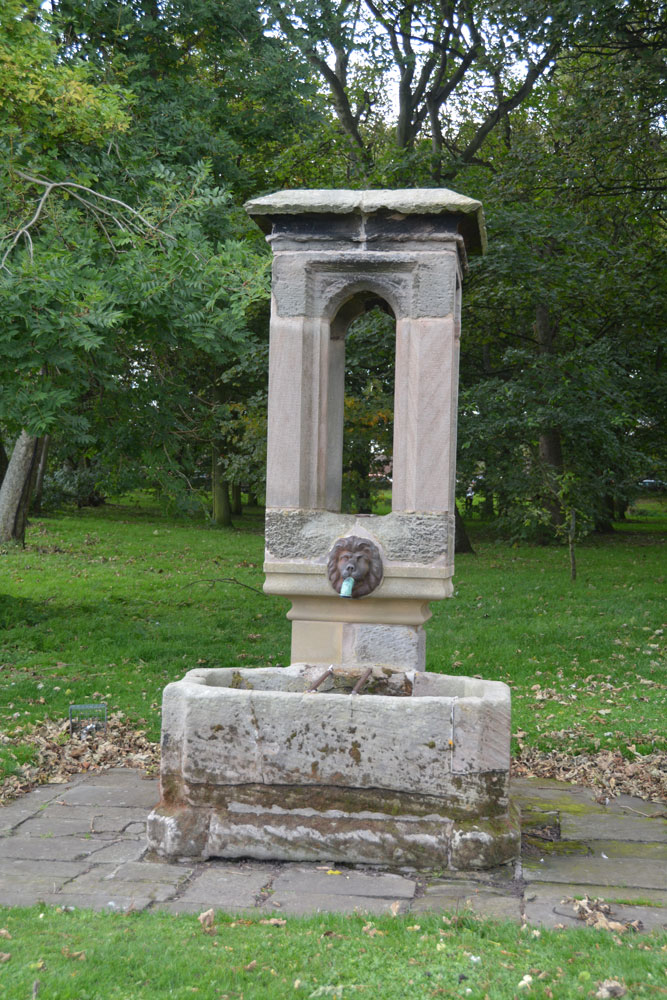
(223, 889)
(121, 880)
(33, 879)
(48, 848)
(16, 812)
(544, 905)
(17, 868)
(141, 795)
(59, 820)
(309, 881)
(119, 851)
(583, 870)
(184, 904)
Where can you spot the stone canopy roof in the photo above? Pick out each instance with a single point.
(403, 201)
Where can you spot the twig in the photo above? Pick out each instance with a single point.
(128, 225)
(24, 229)
(225, 579)
(97, 194)
(658, 815)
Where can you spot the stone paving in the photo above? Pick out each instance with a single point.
(82, 844)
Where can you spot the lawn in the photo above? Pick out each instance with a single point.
(110, 604)
(96, 956)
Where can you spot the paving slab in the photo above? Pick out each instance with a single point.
(34, 878)
(346, 882)
(144, 795)
(545, 906)
(222, 889)
(16, 812)
(48, 848)
(82, 844)
(131, 849)
(298, 904)
(100, 901)
(154, 881)
(60, 820)
(459, 896)
(612, 826)
(183, 904)
(585, 870)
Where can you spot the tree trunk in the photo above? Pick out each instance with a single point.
(550, 445)
(17, 488)
(462, 543)
(4, 462)
(222, 510)
(237, 506)
(603, 521)
(41, 469)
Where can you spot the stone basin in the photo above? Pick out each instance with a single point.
(412, 771)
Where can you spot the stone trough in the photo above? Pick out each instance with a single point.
(412, 771)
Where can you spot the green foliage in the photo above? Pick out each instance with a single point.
(368, 410)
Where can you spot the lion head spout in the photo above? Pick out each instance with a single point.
(359, 559)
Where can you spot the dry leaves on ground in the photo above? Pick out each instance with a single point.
(610, 988)
(598, 914)
(59, 755)
(607, 771)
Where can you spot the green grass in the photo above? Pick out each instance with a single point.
(114, 603)
(111, 604)
(410, 958)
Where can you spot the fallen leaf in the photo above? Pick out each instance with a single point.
(414, 927)
(4, 933)
(4, 956)
(332, 871)
(274, 922)
(206, 920)
(610, 988)
(79, 956)
(372, 931)
(250, 966)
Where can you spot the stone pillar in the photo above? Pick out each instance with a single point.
(336, 254)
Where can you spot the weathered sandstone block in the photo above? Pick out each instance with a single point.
(253, 765)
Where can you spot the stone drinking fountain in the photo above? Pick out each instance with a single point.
(354, 752)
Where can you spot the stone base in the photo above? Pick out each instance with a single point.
(348, 644)
(415, 770)
(302, 833)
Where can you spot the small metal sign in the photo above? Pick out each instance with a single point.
(86, 720)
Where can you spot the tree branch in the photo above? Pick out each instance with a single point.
(504, 107)
(127, 225)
